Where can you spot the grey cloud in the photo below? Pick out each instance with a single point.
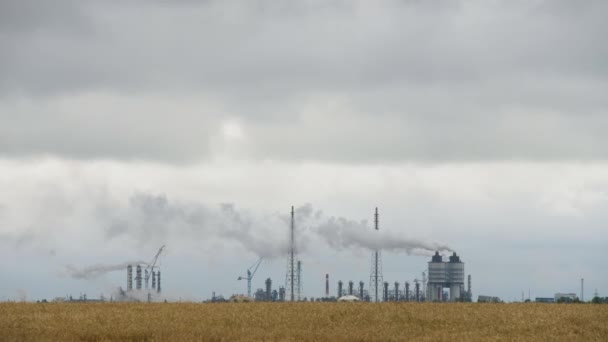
(333, 81)
(66, 17)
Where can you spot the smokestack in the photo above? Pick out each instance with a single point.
(361, 290)
(582, 290)
(147, 278)
(339, 288)
(350, 288)
(407, 291)
(417, 291)
(327, 285)
(138, 277)
(158, 281)
(129, 278)
(386, 291)
(153, 280)
(269, 289)
(299, 279)
(396, 291)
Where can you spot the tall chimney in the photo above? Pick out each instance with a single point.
(153, 280)
(138, 277)
(129, 278)
(361, 290)
(268, 290)
(327, 285)
(385, 291)
(396, 291)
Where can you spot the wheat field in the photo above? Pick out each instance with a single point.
(301, 322)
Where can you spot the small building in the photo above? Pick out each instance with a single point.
(349, 298)
(568, 297)
(544, 300)
(488, 299)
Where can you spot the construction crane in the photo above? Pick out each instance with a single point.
(250, 275)
(152, 265)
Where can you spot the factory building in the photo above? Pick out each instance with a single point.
(442, 275)
(565, 297)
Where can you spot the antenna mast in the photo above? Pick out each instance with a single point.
(292, 279)
(376, 278)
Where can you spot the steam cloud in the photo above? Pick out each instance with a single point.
(150, 217)
(152, 220)
(340, 233)
(94, 271)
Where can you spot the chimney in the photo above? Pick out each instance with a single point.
(138, 277)
(129, 278)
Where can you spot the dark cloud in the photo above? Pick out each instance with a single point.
(335, 81)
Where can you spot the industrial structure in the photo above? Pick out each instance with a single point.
(250, 275)
(144, 273)
(292, 276)
(375, 277)
(442, 275)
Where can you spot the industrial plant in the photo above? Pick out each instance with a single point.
(445, 281)
(147, 281)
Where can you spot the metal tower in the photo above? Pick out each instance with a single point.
(292, 281)
(375, 278)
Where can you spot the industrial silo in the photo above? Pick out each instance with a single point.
(437, 278)
(455, 273)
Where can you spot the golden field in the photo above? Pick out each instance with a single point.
(302, 322)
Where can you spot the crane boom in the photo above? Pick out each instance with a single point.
(150, 267)
(250, 275)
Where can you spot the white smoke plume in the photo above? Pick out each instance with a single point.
(94, 271)
(341, 233)
(152, 217)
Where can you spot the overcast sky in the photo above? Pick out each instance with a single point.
(474, 126)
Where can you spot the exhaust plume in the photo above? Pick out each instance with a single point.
(341, 233)
(94, 271)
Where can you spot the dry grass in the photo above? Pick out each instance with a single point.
(302, 322)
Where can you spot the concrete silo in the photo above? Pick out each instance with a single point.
(445, 275)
